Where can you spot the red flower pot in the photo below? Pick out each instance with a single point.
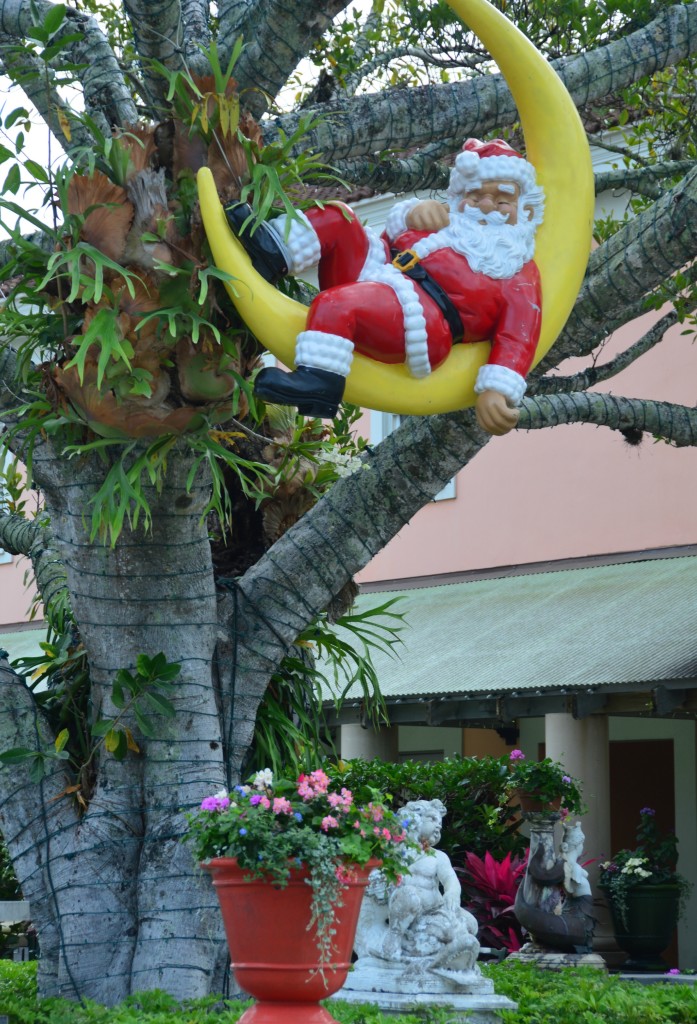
(530, 802)
(274, 955)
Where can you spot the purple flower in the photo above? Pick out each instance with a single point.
(298, 816)
(647, 811)
(516, 755)
(673, 970)
(255, 799)
(215, 803)
(566, 778)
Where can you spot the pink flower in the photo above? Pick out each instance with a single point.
(386, 833)
(348, 797)
(376, 813)
(329, 822)
(282, 806)
(305, 790)
(335, 800)
(320, 781)
(516, 755)
(265, 803)
(344, 874)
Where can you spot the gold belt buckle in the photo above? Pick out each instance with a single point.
(414, 258)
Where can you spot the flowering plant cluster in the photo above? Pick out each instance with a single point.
(652, 862)
(272, 826)
(546, 780)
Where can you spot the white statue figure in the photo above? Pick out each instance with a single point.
(418, 927)
(575, 877)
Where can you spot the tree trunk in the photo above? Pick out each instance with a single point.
(134, 911)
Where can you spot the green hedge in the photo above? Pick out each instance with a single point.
(470, 787)
(544, 997)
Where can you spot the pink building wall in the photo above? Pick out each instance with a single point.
(568, 491)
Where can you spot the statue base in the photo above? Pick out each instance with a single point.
(400, 987)
(553, 960)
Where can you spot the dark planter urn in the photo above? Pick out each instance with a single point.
(648, 925)
(530, 802)
(274, 955)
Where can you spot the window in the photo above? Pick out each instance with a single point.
(382, 424)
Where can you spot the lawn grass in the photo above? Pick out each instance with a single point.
(544, 997)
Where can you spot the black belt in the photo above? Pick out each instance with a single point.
(410, 264)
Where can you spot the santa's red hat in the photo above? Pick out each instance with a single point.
(487, 161)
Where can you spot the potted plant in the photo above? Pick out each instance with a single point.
(289, 860)
(542, 785)
(645, 893)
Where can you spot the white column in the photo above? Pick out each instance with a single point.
(582, 746)
(355, 741)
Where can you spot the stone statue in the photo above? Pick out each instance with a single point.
(554, 901)
(416, 933)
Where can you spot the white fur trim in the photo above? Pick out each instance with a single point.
(415, 337)
(298, 239)
(323, 351)
(396, 222)
(470, 171)
(492, 377)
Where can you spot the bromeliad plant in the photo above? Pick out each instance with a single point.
(653, 861)
(273, 826)
(546, 781)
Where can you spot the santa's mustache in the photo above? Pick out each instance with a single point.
(471, 213)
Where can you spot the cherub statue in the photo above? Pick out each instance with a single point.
(419, 924)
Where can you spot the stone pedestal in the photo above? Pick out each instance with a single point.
(403, 988)
(530, 953)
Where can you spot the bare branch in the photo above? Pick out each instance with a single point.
(676, 424)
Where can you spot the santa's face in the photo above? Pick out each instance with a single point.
(493, 197)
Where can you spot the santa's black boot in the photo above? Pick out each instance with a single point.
(261, 242)
(315, 392)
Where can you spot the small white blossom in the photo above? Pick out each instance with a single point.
(263, 779)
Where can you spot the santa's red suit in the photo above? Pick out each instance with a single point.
(481, 284)
(368, 302)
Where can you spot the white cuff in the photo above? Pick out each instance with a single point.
(323, 351)
(396, 222)
(298, 239)
(492, 377)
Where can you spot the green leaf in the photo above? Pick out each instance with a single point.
(160, 704)
(13, 180)
(144, 723)
(38, 768)
(61, 739)
(102, 726)
(54, 18)
(16, 755)
(36, 170)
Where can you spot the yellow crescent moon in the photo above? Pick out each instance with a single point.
(556, 146)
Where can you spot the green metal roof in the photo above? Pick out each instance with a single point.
(569, 629)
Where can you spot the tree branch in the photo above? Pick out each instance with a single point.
(404, 118)
(596, 374)
(629, 266)
(278, 35)
(676, 424)
(107, 99)
(34, 539)
(642, 179)
(297, 578)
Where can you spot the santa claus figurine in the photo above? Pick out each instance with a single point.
(440, 275)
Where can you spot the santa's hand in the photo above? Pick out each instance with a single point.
(494, 414)
(428, 215)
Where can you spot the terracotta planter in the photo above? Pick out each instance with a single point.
(646, 931)
(274, 956)
(530, 802)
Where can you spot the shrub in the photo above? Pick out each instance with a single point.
(472, 789)
(489, 889)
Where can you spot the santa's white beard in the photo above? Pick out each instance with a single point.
(492, 246)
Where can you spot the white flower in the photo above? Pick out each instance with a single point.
(263, 779)
(221, 794)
